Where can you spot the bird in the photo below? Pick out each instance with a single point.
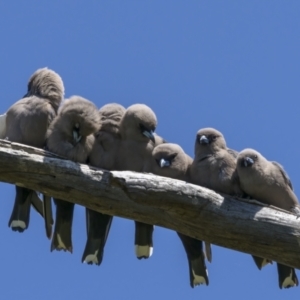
(103, 155)
(137, 142)
(27, 122)
(71, 135)
(268, 182)
(169, 160)
(214, 165)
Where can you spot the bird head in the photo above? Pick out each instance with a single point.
(138, 123)
(46, 83)
(170, 160)
(78, 118)
(247, 158)
(208, 141)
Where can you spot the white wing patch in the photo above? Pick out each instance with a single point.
(199, 279)
(288, 281)
(61, 244)
(92, 258)
(143, 251)
(18, 223)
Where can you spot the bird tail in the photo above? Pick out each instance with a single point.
(143, 240)
(195, 256)
(48, 219)
(98, 226)
(208, 252)
(62, 236)
(36, 203)
(287, 276)
(261, 262)
(19, 220)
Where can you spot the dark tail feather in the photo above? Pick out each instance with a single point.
(98, 226)
(287, 276)
(195, 256)
(62, 236)
(37, 203)
(143, 240)
(261, 262)
(19, 220)
(208, 252)
(48, 219)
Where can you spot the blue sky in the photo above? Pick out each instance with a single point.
(232, 65)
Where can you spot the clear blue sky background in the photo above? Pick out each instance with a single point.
(232, 65)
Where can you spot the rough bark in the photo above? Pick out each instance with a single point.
(238, 224)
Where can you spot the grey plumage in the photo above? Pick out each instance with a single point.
(214, 166)
(138, 140)
(70, 135)
(27, 122)
(103, 155)
(268, 182)
(169, 160)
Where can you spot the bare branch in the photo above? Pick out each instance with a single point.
(242, 225)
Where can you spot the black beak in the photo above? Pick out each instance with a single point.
(248, 161)
(149, 134)
(204, 140)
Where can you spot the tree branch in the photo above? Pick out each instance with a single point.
(243, 225)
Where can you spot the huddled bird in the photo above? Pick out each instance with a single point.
(103, 155)
(71, 135)
(267, 181)
(27, 122)
(115, 138)
(138, 140)
(170, 160)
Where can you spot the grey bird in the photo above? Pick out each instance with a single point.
(103, 155)
(170, 160)
(138, 140)
(267, 181)
(214, 165)
(27, 122)
(70, 135)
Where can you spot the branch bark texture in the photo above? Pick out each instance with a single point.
(239, 224)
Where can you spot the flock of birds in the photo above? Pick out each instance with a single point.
(115, 138)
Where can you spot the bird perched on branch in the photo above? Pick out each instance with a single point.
(71, 135)
(138, 140)
(27, 122)
(103, 155)
(169, 160)
(214, 165)
(267, 181)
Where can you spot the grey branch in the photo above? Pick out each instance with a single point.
(239, 224)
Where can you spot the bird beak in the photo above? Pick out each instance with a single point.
(248, 161)
(149, 135)
(203, 140)
(76, 137)
(164, 163)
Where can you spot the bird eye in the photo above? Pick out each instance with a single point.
(142, 127)
(171, 157)
(255, 156)
(213, 137)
